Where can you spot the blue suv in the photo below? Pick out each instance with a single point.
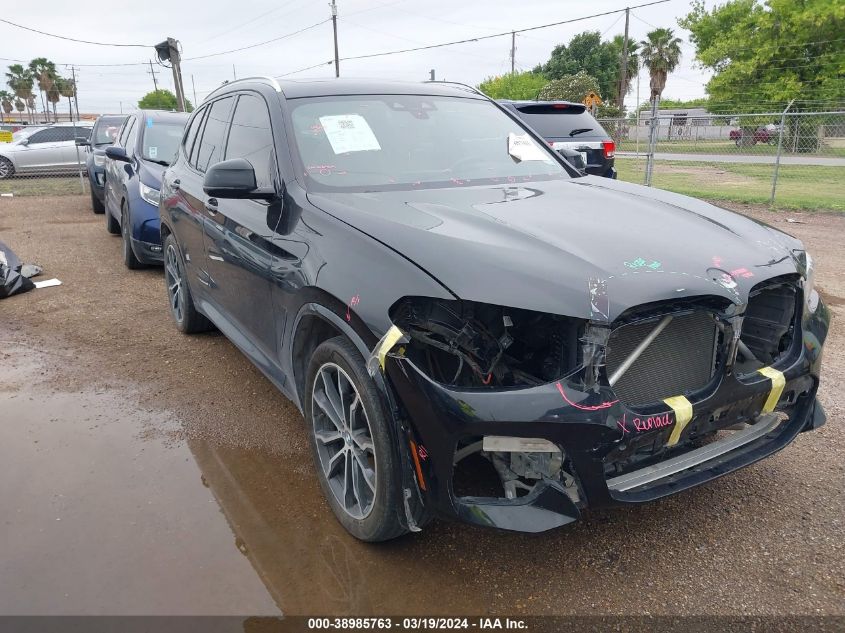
(104, 134)
(145, 146)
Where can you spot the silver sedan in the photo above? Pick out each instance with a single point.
(43, 150)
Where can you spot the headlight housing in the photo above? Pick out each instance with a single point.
(99, 160)
(468, 344)
(150, 195)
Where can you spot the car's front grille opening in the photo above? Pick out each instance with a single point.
(769, 323)
(681, 359)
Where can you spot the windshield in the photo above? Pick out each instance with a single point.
(161, 140)
(107, 128)
(395, 142)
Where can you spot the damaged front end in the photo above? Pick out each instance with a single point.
(519, 420)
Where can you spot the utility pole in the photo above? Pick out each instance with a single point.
(153, 72)
(194, 88)
(513, 51)
(234, 74)
(431, 75)
(334, 28)
(75, 91)
(168, 50)
(623, 76)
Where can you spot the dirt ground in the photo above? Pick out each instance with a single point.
(765, 540)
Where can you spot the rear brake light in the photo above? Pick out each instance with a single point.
(609, 148)
(560, 106)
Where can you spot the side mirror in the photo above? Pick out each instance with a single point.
(24, 141)
(234, 178)
(81, 141)
(117, 153)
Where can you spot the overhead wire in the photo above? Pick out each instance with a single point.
(73, 39)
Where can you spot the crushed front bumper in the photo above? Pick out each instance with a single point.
(601, 437)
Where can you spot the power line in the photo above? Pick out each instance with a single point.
(504, 33)
(301, 70)
(243, 24)
(243, 48)
(73, 39)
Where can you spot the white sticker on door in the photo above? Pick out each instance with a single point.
(349, 133)
(522, 147)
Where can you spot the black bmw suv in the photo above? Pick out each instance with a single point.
(568, 127)
(470, 328)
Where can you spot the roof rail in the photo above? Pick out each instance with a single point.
(472, 89)
(265, 79)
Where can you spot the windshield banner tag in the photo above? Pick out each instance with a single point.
(349, 133)
(522, 147)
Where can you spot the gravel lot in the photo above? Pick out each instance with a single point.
(765, 540)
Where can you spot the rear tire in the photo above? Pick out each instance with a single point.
(357, 463)
(129, 258)
(182, 309)
(97, 206)
(7, 169)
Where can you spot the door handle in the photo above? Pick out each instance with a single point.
(211, 206)
(176, 184)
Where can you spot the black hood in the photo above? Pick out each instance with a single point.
(546, 246)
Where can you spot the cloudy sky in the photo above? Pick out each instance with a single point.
(364, 26)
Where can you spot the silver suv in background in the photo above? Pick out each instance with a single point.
(43, 149)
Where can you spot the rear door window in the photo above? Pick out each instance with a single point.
(191, 133)
(214, 134)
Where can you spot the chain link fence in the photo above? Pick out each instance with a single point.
(785, 159)
(45, 158)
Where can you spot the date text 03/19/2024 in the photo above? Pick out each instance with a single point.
(414, 624)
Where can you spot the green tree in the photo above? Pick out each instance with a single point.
(67, 88)
(44, 72)
(569, 88)
(661, 54)
(770, 51)
(588, 53)
(6, 103)
(21, 82)
(161, 99)
(513, 86)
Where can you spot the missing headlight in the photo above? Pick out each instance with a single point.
(469, 344)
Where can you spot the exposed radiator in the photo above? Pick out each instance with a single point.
(679, 360)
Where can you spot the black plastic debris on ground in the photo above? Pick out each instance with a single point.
(14, 275)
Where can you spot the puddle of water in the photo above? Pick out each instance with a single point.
(104, 513)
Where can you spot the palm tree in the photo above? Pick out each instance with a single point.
(631, 68)
(21, 81)
(44, 72)
(67, 88)
(5, 103)
(54, 94)
(660, 52)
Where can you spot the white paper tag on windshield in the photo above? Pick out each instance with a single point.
(349, 133)
(522, 147)
(153, 152)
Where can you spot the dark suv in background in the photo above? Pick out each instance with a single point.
(568, 126)
(145, 146)
(104, 134)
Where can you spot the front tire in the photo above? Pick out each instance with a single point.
(97, 206)
(357, 464)
(182, 309)
(112, 225)
(129, 258)
(7, 169)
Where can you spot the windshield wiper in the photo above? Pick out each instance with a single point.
(158, 162)
(580, 130)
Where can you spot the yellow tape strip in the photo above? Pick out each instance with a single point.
(387, 342)
(778, 383)
(683, 414)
